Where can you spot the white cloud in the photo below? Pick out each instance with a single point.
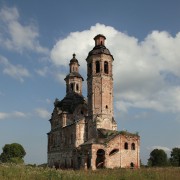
(12, 115)
(146, 73)
(3, 115)
(15, 71)
(16, 36)
(42, 113)
(19, 114)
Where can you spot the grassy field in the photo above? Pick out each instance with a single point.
(20, 172)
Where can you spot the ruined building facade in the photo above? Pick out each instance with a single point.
(83, 131)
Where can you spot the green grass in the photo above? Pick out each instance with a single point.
(21, 172)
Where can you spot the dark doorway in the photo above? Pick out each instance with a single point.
(132, 165)
(100, 158)
(88, 160)
(79, 162)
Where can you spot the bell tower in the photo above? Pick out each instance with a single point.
(100, 87)
(74, 79)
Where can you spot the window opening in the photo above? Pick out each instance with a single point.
(72, 86)
(90, 68)
(125, 145)
(132, 146)
(77, 87)
(97, 67)
(114, 151)
(106, 67)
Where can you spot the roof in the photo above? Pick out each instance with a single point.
(105, 135)
(74, 60)
(99, 49)
(99, 35)
(70, 102)
(74, 74)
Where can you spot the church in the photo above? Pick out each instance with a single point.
(83, 131)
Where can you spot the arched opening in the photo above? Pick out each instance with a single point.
(106, 67)
(88, 161)
(89, 68)
(100, 159)
(132, 165)
(72, 86)
(106, 106)
(114, 151)
(125, 145)
(97, 67)
(132, 146)
(77, 87)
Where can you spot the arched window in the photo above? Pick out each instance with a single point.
(125, 145)
(72, 86)
(97, 67)
(77, 87)
(90, 68)
(106, 67)
(132, 146)
(114, 151)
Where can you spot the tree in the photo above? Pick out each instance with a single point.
(13, 153)
(175, 157)
(158, 158)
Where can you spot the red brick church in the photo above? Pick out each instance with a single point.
(83, 131)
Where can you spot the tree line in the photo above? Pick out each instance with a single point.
(158, 158)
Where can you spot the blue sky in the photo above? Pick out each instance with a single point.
(37, 40)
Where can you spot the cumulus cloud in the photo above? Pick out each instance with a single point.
(16, 36)
(15, 71)
(146, 73)
(42, 113)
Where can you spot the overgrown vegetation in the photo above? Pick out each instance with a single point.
(21, 172)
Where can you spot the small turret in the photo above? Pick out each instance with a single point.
(74, 79)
